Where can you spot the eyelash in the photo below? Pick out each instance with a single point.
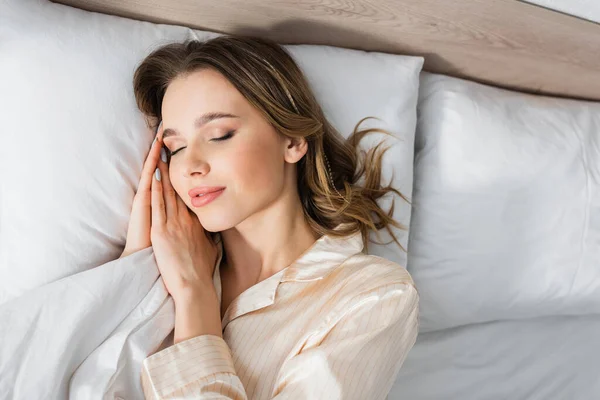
(227, 136)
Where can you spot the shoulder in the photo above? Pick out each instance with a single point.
(363, 276)
(374, 271)
(370, 288)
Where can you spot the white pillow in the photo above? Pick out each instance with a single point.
(74, 142)
(506, 210)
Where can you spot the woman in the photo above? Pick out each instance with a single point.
(259, 228)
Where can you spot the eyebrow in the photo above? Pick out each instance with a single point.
(200, 122)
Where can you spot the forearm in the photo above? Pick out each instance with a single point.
(197, 313)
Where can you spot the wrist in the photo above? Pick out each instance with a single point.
(197, 313)
(189, 295)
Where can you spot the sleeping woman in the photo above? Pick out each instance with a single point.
(259, 225)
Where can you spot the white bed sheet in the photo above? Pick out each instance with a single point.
(548, 358)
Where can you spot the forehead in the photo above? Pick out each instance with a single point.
(200, 92)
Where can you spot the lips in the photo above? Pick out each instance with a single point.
(205, 197)
(204, 190)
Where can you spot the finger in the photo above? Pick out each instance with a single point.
(150, 164)
(181, 206)
(158, 203)
(169, 194)
(159, 130)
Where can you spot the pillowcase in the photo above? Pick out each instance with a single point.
(506, 210)
(75, 142)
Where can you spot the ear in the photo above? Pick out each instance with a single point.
(295, 149)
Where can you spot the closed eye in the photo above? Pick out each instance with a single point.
(227, 136)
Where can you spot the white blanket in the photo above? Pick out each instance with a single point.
(85, 336)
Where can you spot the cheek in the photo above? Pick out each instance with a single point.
(258, 169)
(179, 186)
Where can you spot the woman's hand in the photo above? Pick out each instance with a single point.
(185, 254)
(138, 231)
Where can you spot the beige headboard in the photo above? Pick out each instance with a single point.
(506, 43)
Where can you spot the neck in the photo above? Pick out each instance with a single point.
(268, 241)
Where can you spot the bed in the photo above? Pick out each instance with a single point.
(498, 106)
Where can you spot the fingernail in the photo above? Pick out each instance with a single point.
(154, 141)
(157, 174)
(159, 125)
(163, 154)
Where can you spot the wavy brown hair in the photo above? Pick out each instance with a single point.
(267, 76)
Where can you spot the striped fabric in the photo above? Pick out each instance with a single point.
(336, 324)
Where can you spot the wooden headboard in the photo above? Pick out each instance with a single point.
(506, 43)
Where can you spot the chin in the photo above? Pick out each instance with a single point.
(216, 222)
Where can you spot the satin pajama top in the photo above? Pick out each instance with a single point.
(335, 324)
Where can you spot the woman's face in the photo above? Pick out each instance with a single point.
(219, 140)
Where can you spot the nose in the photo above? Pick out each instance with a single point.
(194, 165)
